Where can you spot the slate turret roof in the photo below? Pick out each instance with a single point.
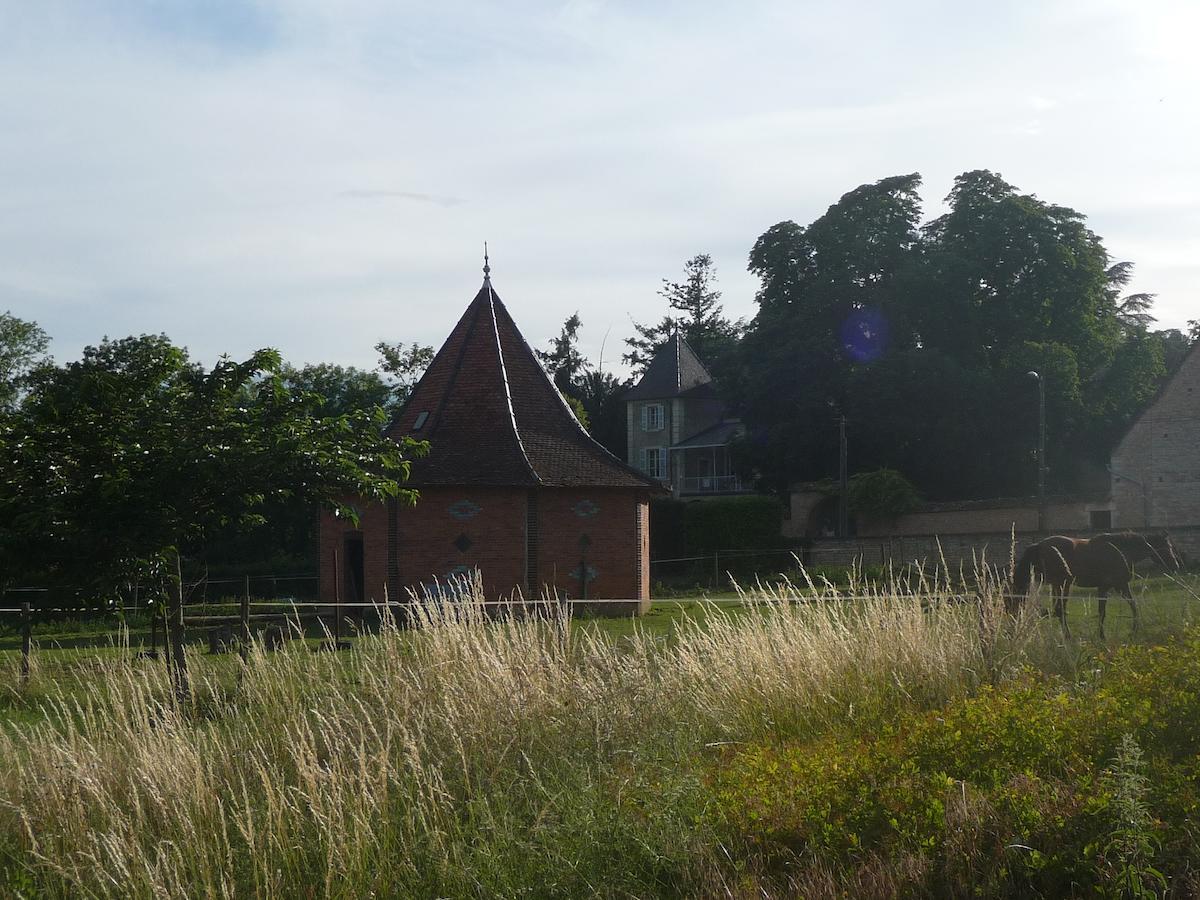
(675, 371)
(492, 415)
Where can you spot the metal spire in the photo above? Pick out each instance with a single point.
(487, 270)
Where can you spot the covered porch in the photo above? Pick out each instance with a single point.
(702, 464)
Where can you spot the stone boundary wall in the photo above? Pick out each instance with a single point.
(958, 550)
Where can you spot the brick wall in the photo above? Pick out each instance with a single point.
(455, 530)
(332, 540)
(610, 520)
(1156, 467)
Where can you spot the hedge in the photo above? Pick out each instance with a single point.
(698, 527)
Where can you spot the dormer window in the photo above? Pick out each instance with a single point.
(421, 417)
(653, 417)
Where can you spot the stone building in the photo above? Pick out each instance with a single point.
(1155, 468)
(513, 486)
(679, 430)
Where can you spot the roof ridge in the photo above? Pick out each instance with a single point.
(696, 356)
(1153, 401)
(512, 415)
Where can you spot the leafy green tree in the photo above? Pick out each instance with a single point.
(696, 313)
(593, 394)
(883, 493)
(134, 454)
(922, 337)
(404, 365)
(22, 346)
(342, 389)
(831, 297)
(563, 361)
(1175, 344)
(1005, 268)
(603, 397)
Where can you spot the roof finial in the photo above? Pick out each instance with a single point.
(487, 270)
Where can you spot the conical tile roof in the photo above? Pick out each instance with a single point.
(675, 370)
(492, 415)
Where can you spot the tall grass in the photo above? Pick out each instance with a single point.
(468, 757)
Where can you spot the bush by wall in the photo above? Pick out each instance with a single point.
(732, 523)
(698, 527)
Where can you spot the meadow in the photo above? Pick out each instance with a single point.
(790, 742)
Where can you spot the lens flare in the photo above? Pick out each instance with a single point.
(865, 334)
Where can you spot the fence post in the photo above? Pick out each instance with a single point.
(26, 639)
(179, 672)
(337, 603)
(716, 569)
(244, 613)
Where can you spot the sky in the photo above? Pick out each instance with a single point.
(319, 176)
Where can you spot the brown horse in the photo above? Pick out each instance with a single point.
(1104, 562)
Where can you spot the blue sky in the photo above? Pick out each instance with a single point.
(319, 176)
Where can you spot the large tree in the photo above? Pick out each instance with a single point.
(135, 453)
(22, 346)
(342, 389)
(695, 310)
(831, 297)
(594, 395)
(403, 365)
(922, 337)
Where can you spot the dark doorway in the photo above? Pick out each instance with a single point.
(352, 568)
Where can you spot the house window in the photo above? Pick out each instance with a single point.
(655, 462)
(1100, 519)
(653, 417)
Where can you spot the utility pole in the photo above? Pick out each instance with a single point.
(1041, 452)
(844, 480)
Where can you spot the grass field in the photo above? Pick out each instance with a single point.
(867, 747)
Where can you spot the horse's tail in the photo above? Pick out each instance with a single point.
(1023, 575)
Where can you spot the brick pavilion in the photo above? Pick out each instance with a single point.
(513, 486)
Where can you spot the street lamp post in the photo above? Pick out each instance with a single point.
(1041, 453)
(843, 481)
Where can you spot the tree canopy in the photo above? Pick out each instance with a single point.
(135, 450)
(22, 346)
(594, 395)
(922, 336)
(696, 312)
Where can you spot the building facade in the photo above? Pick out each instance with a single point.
(678, 428)
(513, 487)
(1155, 468)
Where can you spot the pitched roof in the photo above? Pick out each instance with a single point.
(1189, 358)
(674, 371)
(718, 435)
(492, 415)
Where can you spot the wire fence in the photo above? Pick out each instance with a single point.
(229, 613)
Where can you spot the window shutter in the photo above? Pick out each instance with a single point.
(645, 418)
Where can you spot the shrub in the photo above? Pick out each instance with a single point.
(1007, 790)
(733, 523)
(883, 493)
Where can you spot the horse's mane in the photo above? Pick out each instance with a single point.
(1122, 540)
